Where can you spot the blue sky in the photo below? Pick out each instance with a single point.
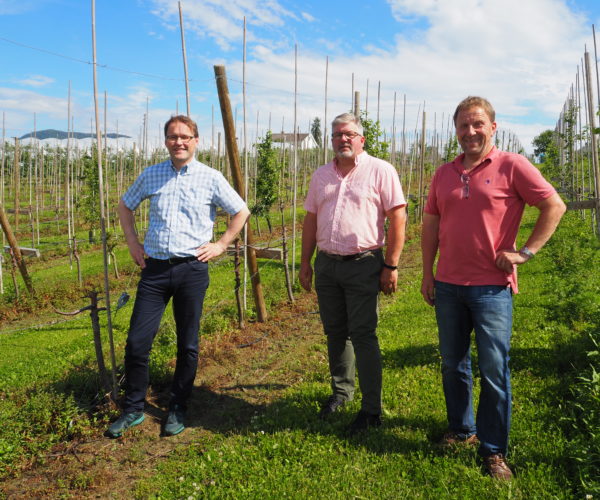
(522, 55)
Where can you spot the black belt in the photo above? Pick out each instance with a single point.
(175, 260)
(354, 256)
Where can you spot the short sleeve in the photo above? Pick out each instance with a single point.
(225, 196)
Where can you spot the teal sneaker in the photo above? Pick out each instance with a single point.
(174, 424)
(124, 422)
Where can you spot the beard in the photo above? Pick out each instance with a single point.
(346, 153)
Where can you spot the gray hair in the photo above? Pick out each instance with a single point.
(347, 118)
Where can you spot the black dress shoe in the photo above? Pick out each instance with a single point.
(363, 421)
(331, 405)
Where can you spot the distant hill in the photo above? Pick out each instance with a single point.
(59, 134)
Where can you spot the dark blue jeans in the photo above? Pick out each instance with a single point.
(186, 283)
(488, 311)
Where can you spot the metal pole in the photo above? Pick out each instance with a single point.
(185, 71)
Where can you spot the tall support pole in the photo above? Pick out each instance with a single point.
(352, 95)
(393, 156)
(356, 109)
(246, 183)
(102, 210)
(325, 119)
(422, 166)
(596, 66)
(295, 160)
(17, 182)
(68, 170)
(403, 157)
(378, 98)
(185, 71)
(238, 183)
(593, 139)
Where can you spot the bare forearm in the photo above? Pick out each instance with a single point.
(429, 242)
(551, 211)
(127, 220)
(395, 235)
(236, 224)
(309, 237)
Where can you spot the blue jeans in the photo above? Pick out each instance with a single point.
(488, 310)
(186, 283)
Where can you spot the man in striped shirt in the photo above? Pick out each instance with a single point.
(184, 195)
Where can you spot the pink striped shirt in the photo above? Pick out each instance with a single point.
(351, 209)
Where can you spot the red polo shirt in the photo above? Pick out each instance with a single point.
(483, 218)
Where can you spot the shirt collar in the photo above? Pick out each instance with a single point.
(492, 155)
(185, 168)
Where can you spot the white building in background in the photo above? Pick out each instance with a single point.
(305, 141)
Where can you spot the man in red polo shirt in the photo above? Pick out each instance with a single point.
(471, 218)
(347, 204)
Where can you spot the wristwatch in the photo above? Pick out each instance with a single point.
(393, 268)
(525, 252)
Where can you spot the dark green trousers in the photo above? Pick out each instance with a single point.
(348, 293)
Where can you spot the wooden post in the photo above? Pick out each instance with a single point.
(422, 167)
(102, 209)
(104, 378)
(238, 283)
(594, 145)
(356, 109)
(238, 183)
(288, 281)
(17, 182)
(16, 251)
(325, 119)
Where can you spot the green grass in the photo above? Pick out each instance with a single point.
(282, 450)
(286, 452)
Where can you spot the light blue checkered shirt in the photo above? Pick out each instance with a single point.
(183, 206)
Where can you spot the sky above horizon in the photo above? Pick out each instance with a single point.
(522, 55)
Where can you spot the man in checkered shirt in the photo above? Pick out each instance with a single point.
(184, 195)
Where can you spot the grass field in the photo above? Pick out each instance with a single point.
(253, 430)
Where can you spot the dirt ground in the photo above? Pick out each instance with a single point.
(238, 374)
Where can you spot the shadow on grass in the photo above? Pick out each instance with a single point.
(414, 355)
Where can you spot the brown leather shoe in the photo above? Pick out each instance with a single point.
(452, 438)
(496, 466)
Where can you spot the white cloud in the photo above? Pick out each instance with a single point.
(37, 81)
(520, 55)
(307, 17)
(15, 7)
(27, 101)
(223, 20)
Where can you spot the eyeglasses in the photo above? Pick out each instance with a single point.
(465, 180)
(183, 138)
(349, 135)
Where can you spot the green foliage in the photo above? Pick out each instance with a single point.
(315, 131)
(88, 203)
(541, 143)
(267, 177)
(372, 134)
(451, 149)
